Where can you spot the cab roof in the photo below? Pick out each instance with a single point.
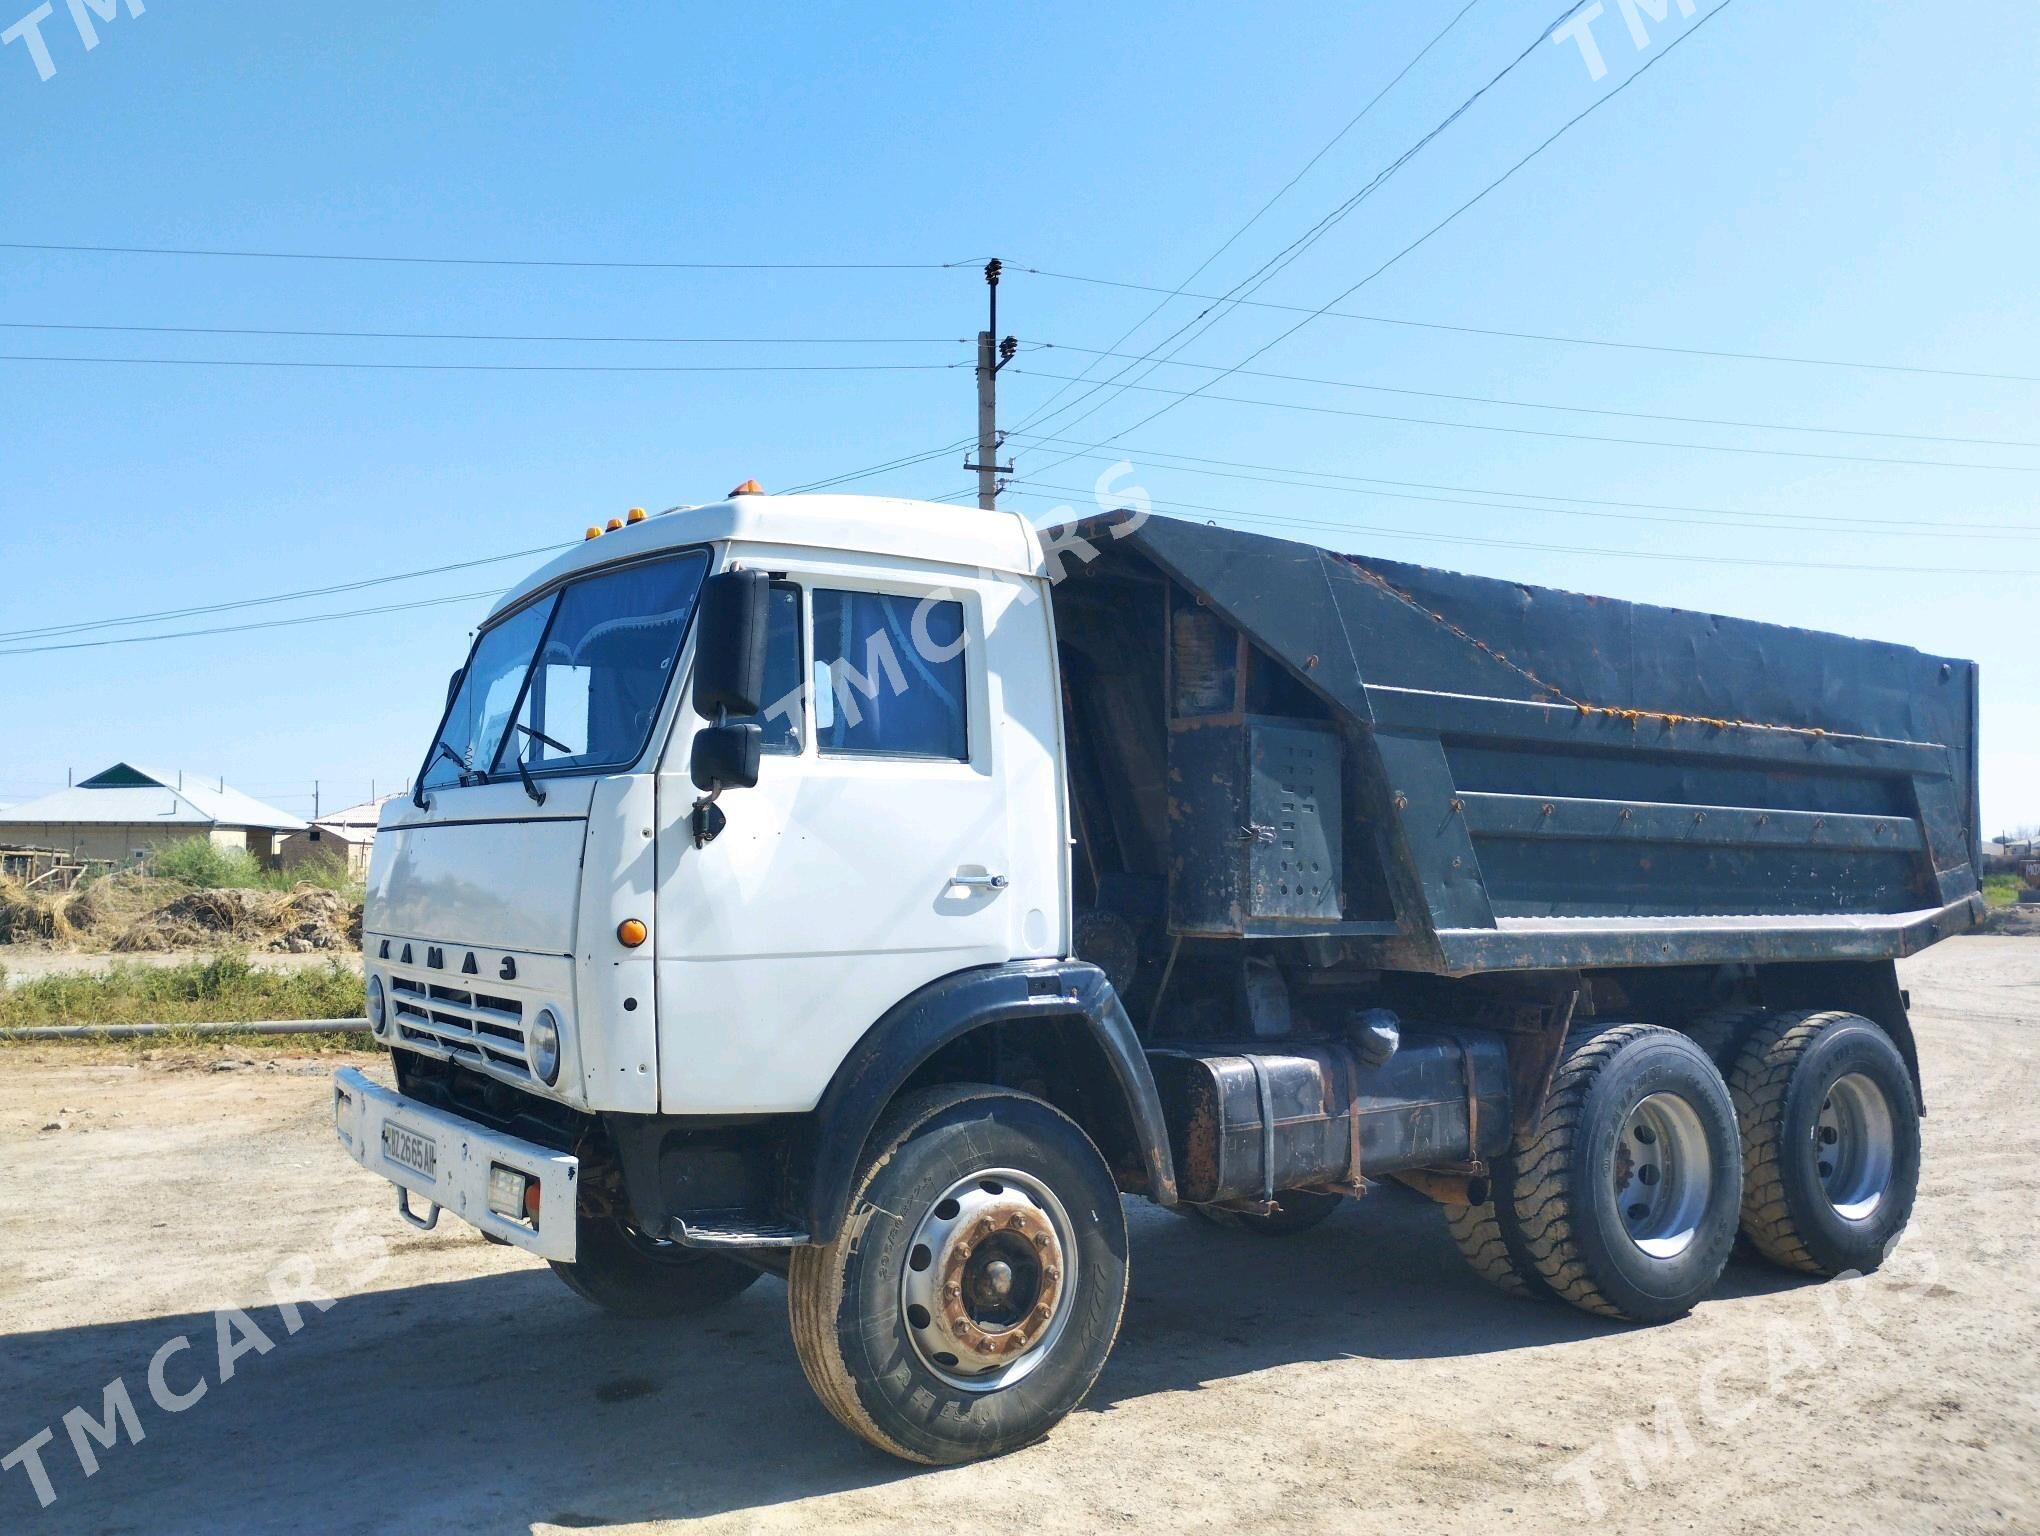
(911, 530)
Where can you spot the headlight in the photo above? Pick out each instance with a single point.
(545, 1047)
(378, 1006)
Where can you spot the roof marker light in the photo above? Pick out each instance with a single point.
(634, 515)
(592, 533)
(749, 488)
(612, 525)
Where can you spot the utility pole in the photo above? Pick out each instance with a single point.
(992, 355)
(315, 799)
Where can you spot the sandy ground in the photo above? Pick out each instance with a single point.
(1357, 1378)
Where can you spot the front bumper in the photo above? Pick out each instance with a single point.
(462, 1155)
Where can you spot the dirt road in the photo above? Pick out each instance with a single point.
(1353, 1379)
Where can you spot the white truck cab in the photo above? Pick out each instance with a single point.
(785, 878)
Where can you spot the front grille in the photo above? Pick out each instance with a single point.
(471, 1025)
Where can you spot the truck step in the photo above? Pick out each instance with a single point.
(734, 1229)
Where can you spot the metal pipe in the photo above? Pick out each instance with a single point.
(150, 1031)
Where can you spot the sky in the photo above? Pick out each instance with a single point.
(1847, 184)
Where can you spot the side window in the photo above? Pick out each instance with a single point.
(781, 720)
(889, 675)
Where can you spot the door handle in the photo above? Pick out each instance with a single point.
(980, 882)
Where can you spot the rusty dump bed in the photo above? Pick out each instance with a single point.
(1454, 774)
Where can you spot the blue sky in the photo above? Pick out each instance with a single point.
(1831, 182)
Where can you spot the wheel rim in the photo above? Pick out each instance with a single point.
(1854, 1146)
(990, 1279)
(1663, 1175)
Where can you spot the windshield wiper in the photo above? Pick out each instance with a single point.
(524, 771)
(439, 749)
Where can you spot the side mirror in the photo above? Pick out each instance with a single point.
(729, 649)
(726, 757)
(453, 685)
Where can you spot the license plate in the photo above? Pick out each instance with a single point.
(407, 1148)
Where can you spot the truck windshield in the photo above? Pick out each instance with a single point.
(603, 647)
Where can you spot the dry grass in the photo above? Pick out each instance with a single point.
(132, 911)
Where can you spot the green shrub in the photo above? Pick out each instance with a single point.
(201, 862)
(223, 989)
(2001, 890)
(327, 871)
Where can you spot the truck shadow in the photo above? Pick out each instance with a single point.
(491, 1404)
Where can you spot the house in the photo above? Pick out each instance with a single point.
(347, 835)
(124, 811)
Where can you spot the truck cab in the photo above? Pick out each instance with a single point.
(782, 892)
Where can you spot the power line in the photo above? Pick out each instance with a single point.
(244, 362)
(1351, 123)
(879, 469)
(1579, 410)
(690, 341)
(1201, 393)
(1828, 529)
(162, 614)
(495, 261)
(1592, 107)
(1574, 549)
(198, 610)
(1276, 264)
(1268, 270)
(1737, 521)
(1552, 337)
(1263, 472)
(235, 629)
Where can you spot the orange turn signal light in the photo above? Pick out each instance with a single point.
(634, 515)
(630, 933)
(749, 488)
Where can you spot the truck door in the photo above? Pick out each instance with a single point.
(876, 852)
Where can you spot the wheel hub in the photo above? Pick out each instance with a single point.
(1853, 1146)
(987, 1280)
(1662, 1173)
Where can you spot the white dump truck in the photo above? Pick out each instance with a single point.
(872, 892)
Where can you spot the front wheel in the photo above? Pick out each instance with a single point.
(975, 1289)
(622, 1271)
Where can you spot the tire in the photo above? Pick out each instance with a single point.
(1495, 1251)
(1296, 1210)
(1722, 1033)
(1628, 1193)
(1831, 1141)
(621, 1271)
(942, 1376)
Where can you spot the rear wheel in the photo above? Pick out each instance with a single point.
(1627, 1195)
(1296, 1210)
(622, 1271)
(1493, 1250)
(1831, 1141)
(976, 1287)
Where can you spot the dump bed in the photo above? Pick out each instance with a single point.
(1457, 774)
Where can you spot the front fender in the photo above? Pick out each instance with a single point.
(945, 1010)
